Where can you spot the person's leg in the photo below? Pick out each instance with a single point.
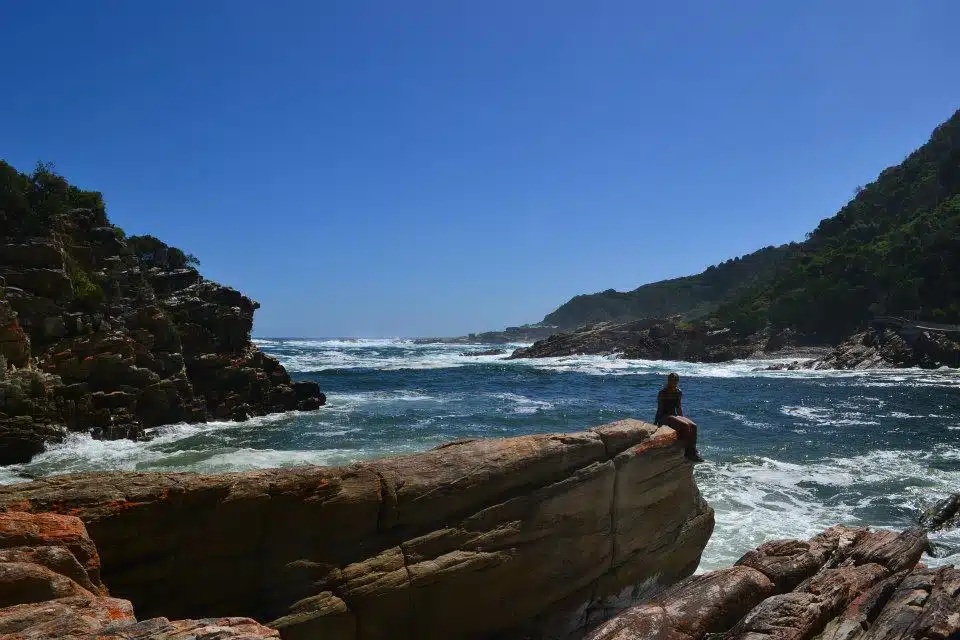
(679, 425)
(687, 432)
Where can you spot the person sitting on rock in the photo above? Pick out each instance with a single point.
(670, 414)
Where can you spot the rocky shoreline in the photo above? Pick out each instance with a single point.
(536, 536)
(100, 337)
(888, 347)
(551, 537)
(843, 584)
(659, 339)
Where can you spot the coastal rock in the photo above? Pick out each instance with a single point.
(943, 515)
(657, 339)
(844, 584)
(890, 347)
(50, 590)
(124, 338)
(511, 536)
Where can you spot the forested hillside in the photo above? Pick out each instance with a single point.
(893, 249)
(689, 296)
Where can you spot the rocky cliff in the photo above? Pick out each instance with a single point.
(103, 334)
(844, 584)
(537, 537)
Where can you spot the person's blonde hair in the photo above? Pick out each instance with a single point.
(673, 376)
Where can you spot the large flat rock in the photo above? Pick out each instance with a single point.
(487, 536)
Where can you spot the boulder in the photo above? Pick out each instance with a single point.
(22, 437)
(843, 584)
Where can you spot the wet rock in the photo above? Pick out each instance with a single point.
(22, 437)
(487, 352)
(944, 514)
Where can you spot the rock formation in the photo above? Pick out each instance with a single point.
(50, 588)
(844, 584)
(98, 337)
(889, 348)
(659, 339)
(537, 536)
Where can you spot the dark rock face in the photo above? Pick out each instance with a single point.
(50, 589)
(99, 342)
(662, 339)
(844, 584)
(530, 537)
(487, 352)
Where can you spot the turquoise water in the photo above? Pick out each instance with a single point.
(789, 453)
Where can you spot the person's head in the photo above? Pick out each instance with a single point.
(673, 381)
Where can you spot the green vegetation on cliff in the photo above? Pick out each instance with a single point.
(30, 202)
(893, 249)
(690, 296)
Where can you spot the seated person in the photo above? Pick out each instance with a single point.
(670, 414)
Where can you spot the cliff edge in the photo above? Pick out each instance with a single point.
(111, 335)
(538, 536)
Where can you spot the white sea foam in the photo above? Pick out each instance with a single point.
(759, 499)
(521, 404)
(742, 419)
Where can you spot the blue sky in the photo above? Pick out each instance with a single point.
(422, 168)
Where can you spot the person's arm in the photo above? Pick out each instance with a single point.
(680, 403)
(656, 420)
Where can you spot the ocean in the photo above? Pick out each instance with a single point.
(788, 452)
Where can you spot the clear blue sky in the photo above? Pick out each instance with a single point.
(412, 168)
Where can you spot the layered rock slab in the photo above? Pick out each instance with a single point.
(844, 584)
(535, 536)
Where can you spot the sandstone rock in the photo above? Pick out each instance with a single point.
(205, 629)
(62, 619)
(787, 562)
(47, 594)
(510, 535)
(24, 582)
(925, 605)
(844, 584)
(20, 531)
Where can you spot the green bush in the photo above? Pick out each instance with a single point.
(153, 252)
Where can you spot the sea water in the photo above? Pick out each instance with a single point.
(788, 453)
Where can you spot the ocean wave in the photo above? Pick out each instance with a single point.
(522, 404)
(395, 354)
(762, 498)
